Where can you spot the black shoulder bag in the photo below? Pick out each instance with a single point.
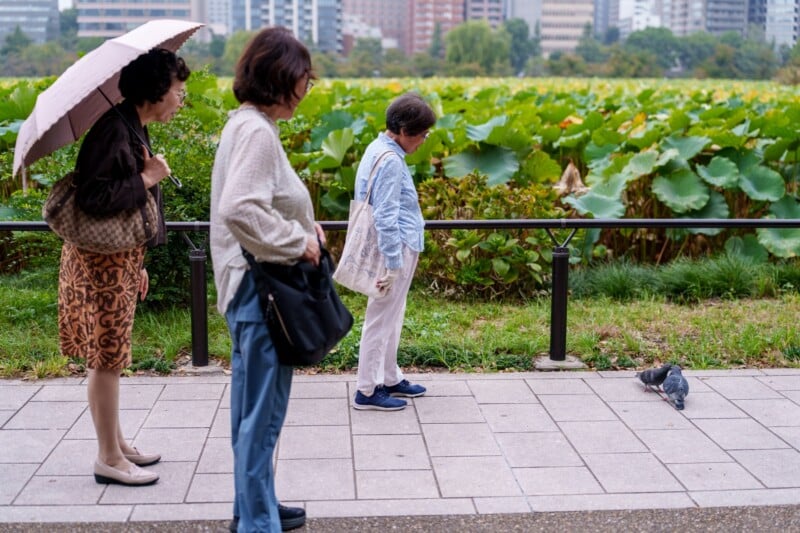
(304, 315)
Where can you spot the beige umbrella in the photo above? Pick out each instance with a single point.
(88, 88)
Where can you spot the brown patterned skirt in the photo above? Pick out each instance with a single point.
(96, 303)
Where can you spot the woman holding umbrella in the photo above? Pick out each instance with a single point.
(97, 292)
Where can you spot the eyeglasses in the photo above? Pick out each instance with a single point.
(426, 135)
(309, 85)
(181, 95)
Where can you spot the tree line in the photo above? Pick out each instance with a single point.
(470, 49)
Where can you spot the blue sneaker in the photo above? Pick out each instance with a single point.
(404, 388)
(379, 401)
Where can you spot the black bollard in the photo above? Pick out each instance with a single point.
(197, 260)
(558, 308)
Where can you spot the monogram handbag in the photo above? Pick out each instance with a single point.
(104, 234)
(361, 262)
(304, 315)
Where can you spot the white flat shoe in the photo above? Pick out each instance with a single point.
(143, 459)
(135, 476)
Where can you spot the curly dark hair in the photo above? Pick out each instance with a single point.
(270, 67)
(149, 77)
(411, 113)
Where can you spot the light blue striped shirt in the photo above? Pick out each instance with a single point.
(395, 204)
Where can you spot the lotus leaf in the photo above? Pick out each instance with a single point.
(499, 164)
(682, 191)
(335, 120)
(641, 164)
(538, 168)
(720, 172)
(747, 247)
(597, 205)
(334, 148)
(481, 132)
(762, 183)
(782, 242)
(716, 207)
(688, 147)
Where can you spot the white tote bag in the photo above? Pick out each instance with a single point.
(362, 263)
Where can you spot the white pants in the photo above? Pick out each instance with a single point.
(380, 337)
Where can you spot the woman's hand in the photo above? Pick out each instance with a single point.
(320, 234)
(155, 169)
(312, 253)
(144, 284)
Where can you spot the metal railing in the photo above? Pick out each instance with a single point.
(560, 265)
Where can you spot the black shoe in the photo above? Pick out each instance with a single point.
(291, 518)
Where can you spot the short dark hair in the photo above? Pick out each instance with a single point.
(411, 113)
(149, 76)
(270, 67)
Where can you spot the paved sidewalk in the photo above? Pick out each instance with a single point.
(475, 444)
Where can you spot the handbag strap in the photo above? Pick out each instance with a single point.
(372, 172)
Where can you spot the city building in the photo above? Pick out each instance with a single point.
(318, 23)
(425, 15)
(386, 20)
(636, 15)
(781, 22)
(38, 19)
(562, 24)
(489, 10)
(528, 10)
(110, 18)
(218, 16)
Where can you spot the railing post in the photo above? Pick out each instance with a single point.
(197, 260)
(558, 308)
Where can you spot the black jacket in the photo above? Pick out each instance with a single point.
(109, 167)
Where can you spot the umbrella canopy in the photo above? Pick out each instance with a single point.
(74, 102)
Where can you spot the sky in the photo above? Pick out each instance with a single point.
(64, 4)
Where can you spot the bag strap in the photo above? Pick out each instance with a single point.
(372, 172)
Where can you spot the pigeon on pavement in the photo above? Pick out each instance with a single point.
(676, 387)
(654, 377)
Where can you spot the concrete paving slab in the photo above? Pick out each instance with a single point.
(60, 490)
(622, 390)
(740, 434)
(683, 446)
(315, 479)
(458, 440)
(216, 457)
(714, 476)
(474, 477)
(182, 414)
(142, 396)
(602, 502)
(5, 416)
(601, 437)
(384, 422)
(187, 391)
(564, 408)
(439, 387)
(209, 488)
(28, 445)
(14, 477)
(182, 512)
(537, 449)
(60, 393)
(631, 472)
(781, 383)
(36, 514)
(501, 391)
(130, 421)
(771, 413)
(15, 396)
(774, 468)
(395, 485)
(317, 412)
(47, 415)
(649, 415)
(559, 386)
(730, 498)
(557, 480)
(221, 426)
(390, 452)
(318, 390)
(741, 388)
(711, 405)
(172, 486)
(511, 504)
(515, 418)
(315, 442)
(441, 410)
(175, 444)
(790, 435)
(390, 507)
(70, 458)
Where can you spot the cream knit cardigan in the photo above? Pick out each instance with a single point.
(257, 201)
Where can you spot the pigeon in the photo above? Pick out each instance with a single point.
(653, 377)
(676, 387)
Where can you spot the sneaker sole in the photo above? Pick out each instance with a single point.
(406, 395)
(376, 407)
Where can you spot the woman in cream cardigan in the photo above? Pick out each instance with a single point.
(260, 204)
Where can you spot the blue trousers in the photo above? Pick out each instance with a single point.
(259, 397)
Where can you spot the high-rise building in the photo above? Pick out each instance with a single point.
(318, 23)
(781, 22)
(383, 19)
(218, 16)
(602, 10)
(110, 18)
(489, 10)
(38, 19)
(425, 15)
(562, 24)
(726, 15)
(636, 15)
